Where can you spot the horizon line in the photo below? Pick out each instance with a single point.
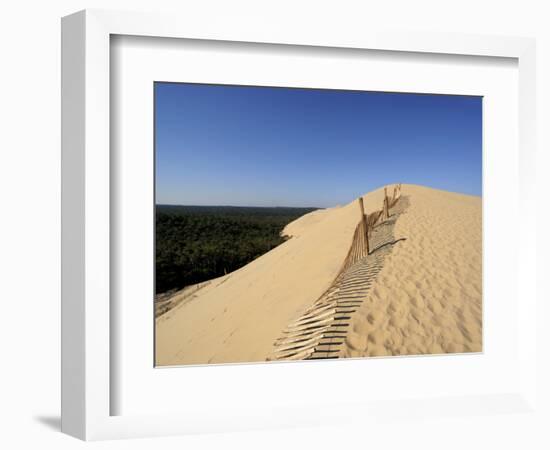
(242, 206)
(321, 207)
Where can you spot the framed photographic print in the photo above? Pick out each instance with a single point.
(257, 207)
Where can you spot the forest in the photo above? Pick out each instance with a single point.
(198, 243)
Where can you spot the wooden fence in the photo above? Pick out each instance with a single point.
(318, 332)
(360, 245)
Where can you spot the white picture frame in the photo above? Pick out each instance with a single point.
(86, 246)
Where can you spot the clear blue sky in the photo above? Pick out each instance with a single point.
(258, 146)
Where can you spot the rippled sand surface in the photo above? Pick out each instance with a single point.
(427, 298)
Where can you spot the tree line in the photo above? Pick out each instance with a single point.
(198, 243)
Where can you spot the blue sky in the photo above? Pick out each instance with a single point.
(258, 146)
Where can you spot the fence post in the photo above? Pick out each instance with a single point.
(364, 223)
(386, 209)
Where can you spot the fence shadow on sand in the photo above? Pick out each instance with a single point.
(320, 330)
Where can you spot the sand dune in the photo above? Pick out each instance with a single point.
(419, 291)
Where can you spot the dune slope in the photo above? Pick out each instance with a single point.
(236, 318)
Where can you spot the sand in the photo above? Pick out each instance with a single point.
(427, 297)
(423, 297)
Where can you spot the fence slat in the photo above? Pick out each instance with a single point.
(364, 224)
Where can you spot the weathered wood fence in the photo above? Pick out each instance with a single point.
(360, 245)
(320, 330)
